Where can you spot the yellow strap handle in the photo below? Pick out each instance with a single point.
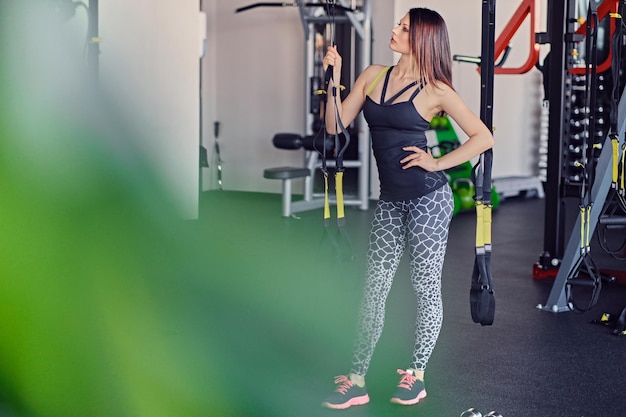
(322, 92)
(480, 225)
(326, 204)
(615, 144)
(339, 192)
(588, 229)
(623, 170)
(487, 224)
(582, 229)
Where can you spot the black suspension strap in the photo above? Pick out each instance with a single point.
(482, 299)
(617, 160)
(617, 184)
(341, 244)
(339, 129)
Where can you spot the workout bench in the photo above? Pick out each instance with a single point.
(286, 174)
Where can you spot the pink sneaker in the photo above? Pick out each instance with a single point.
(410, 389)
(346, 394)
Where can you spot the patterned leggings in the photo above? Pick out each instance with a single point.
(423, 224)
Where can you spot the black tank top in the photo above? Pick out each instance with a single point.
(394, 126)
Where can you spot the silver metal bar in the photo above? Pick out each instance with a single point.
(360, 29)
(305, 25)
(324, 19)
(364, 132)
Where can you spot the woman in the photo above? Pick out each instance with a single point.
(416, 202)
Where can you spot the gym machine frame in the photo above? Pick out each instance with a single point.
(557, 300)
(361, 26)
(562, 37)
(363, 29)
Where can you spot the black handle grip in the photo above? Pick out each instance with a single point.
(328, 76)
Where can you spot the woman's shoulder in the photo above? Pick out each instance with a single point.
(376, 69)
(440, 85)
(439, 89)
(371, 71)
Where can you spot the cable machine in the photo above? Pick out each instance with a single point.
(563, 77)
(583, 148)
(350, 23)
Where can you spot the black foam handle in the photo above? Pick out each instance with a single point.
(328, 76)
(287, 141)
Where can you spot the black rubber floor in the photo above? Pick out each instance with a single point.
(285, 308)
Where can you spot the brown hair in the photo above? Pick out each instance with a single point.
(430, 46)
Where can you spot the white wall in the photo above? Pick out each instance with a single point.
(209, 97)
(258, 65)
(260, 85)
(150, 62)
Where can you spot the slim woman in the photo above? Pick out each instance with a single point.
(415, 205)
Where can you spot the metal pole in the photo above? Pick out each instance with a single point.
(364, 133)
(557, 68)
(93, 50)
(309, 65)
(486, 63)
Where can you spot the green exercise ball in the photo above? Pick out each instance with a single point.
(464, 190)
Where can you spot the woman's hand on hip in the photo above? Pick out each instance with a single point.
(419, 158)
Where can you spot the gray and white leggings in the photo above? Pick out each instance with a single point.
(422, 226)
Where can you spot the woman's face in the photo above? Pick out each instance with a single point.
(400, 36)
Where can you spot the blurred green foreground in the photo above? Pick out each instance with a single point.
(110, 304)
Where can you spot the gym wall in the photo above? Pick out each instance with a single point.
(149, 61)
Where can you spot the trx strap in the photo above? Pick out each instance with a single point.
(593, 281)
(617, 172)
(482, 299)
(343, 248)
(617, 185)
(339, 128)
